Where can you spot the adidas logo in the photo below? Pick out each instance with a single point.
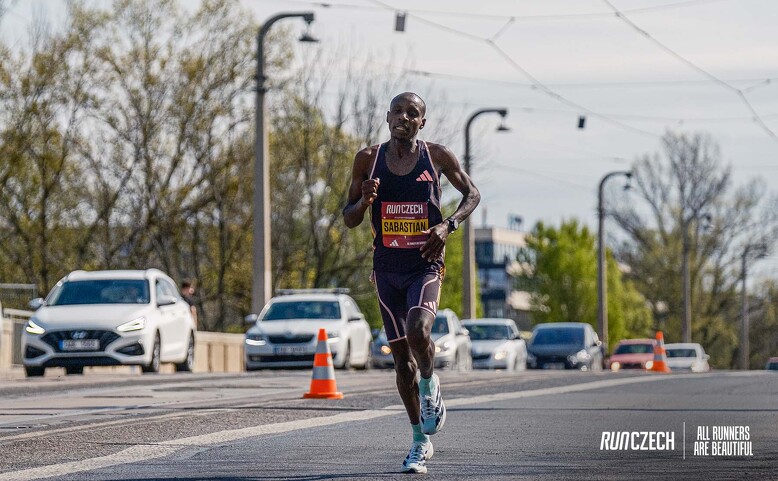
(424, 177)
(394, 243)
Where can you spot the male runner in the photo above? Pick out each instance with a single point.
(399, 182)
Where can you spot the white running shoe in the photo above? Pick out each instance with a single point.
(433, 411)
(416, 461)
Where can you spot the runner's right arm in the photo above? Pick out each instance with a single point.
(363, 191)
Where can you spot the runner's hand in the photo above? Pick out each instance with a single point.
(433, 248)
(370, 190)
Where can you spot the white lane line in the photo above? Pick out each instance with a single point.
(141, 453)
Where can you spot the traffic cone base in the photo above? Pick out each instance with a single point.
(323, 384)
(660, 356)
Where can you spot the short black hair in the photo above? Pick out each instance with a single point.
(414, 97)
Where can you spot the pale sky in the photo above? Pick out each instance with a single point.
(624, 73)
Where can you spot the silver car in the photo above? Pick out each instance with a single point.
(452, 342)
(496, 344)
(285, 333)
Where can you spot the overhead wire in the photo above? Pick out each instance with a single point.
(756, 117)
(756, 82)
(534, 81)
(512, 18)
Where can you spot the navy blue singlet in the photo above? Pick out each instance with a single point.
(406, 205)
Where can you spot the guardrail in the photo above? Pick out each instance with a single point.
(214, 351)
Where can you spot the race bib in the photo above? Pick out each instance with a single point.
(402, 224)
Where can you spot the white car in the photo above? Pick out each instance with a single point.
(109, 318)
(688, 356)
(496, 344)
(285, 333)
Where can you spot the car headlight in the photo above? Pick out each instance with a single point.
(649, 364)
(500, 355)
(33, 328)
(333, 336)
(386, 350)
(580, 356)
(615, 366)
(437, 348)
(255, 340)
(448, 345)
(133, 325)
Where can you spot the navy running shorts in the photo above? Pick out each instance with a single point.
(400, 292)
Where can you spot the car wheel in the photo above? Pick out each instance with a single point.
(74, 370)
(32, 371)
(347, 357)
(188, 364)
(368, 358)
(521, 363)
(153, 366)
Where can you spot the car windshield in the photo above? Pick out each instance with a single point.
(634, 349)
(558, 335)
(772, 365)
(440, 326)
(486, 332)
(101, 291)
(280, 311)
(681, 353)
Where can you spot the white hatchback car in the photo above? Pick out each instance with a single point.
(285, 332)
(688, 356)
(108, 318)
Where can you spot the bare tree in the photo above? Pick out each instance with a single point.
(688, 205)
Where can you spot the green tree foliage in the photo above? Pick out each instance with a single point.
(561, 265)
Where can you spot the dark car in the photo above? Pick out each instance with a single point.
(772, 364)
(564, 345)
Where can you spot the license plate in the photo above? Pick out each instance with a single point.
(554, 365)
(289, 350)
(80, 344)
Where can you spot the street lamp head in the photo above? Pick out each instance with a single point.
(628, 185)
(503, 128)
(306, 36)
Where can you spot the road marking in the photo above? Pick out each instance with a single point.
(146, 452)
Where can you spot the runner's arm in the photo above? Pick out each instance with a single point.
(362, 191)
(448, 165)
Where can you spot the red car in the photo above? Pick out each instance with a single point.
(632, 354)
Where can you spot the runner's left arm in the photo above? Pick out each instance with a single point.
(449, 166)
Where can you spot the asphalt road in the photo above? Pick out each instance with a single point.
(534, 425)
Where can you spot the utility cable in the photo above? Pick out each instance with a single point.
(621, 16)
(537, 84)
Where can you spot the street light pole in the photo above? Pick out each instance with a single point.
(468, 244)
(686, 322)
(261, 289)
(686, 326)
(759, 251)
(602, 274)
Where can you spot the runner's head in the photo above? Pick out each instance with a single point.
(406, 116)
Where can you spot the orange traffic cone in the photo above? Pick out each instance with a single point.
(323, 378)
(660, 356)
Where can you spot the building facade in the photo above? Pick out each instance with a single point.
(496, 250)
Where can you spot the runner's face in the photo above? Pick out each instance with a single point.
(405, 118)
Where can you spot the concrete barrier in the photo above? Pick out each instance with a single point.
(214, 351)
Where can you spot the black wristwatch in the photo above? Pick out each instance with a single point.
(453, 224)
